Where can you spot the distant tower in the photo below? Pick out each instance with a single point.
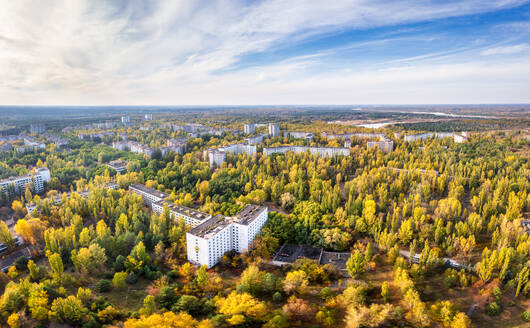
(274, 130)
(126, 119)
(249, 128)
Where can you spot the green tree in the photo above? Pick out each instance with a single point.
(6, 237)
(355, 264)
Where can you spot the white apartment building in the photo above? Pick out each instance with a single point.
(37, 128)
(274, 130)
(149, 195)
(217, 156)
(423, 136)
(385, 145)
(208, 242)
(126, 119)
(460, 138)
(40, 176)
(299, 135)
(148, 117)
(192, 217)
(255, 139)
(360, 135)
(249, 128)
(319, 151)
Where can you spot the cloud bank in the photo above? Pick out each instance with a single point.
(195, 52)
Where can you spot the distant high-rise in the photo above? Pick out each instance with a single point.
(274, 130)
(126, 119)
(37, 128)
(249, 128)
(148, 117)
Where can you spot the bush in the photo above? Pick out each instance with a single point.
(493, 309)
(173, 274)
(119, 279)
(21, 263)
(526, 316)
(131, 279)
(119, 264)
(108, 275)
(277, 297)
(325, 293)
(188, 303)
(104, 285)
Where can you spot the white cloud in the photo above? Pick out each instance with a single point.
(96, 52)
(506, 50)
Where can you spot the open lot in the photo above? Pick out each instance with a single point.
(336, 258)
(290, 253)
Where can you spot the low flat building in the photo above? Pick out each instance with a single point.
(149, 195)
(118, 165)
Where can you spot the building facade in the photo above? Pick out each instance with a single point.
(149, 195)
(318, 151)
(249, 128)
(208, 242)
(274, 130)
(17, 185)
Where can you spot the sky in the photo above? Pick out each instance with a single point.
(231, 52)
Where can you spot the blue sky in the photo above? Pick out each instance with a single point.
(221, 52)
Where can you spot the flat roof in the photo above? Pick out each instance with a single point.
(211, 227)
(185, 210)
(117, 163)
(148, 190)
(249, 214)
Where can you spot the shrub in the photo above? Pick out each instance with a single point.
(325, 293)
(131, 279)
(277, 297)
(103, 285)
(526, 316)
(21, 263)
(493, 309)
(108, 314)
(119, 279)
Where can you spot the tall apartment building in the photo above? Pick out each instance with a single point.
(17, 185)
(148, 117)
(177, 145)
(149, 195)
(37, 128)
(249, 128)
(319, 151)
(211, 236)
(209, 241)
(126, 119)
(274, 130)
